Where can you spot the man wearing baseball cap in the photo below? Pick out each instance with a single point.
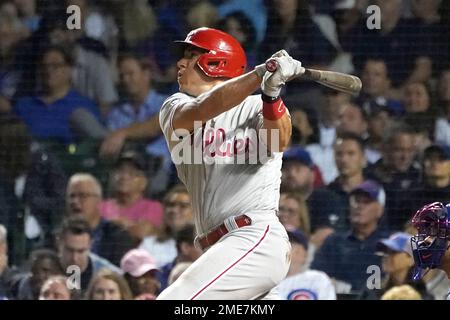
(371, 190)
(346, 255)
(129, 207)
(140, 271)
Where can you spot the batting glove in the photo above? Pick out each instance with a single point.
(287, 68)
(261, 69)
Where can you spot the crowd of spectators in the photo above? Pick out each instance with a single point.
(90, 203)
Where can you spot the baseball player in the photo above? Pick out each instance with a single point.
(247, 248)
(431, 243)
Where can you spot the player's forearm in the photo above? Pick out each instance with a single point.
(216, 101)
(143, 130)
(280, 130)
(227, 95)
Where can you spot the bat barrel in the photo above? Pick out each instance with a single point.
(335, 80)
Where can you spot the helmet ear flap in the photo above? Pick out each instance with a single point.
(212, 65)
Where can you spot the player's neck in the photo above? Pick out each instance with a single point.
(201, 88)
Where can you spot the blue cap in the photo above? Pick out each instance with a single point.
(298, 154)
(398, 242)
(442, 150)
(372, 189)
(296, 236)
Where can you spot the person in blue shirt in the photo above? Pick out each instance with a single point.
(48, 113)
(142, 103)
(137, 118)
(346, 256)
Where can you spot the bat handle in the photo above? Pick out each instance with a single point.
(271, 65)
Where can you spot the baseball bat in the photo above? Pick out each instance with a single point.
(336, 80)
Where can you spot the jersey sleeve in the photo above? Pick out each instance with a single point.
(166, 115)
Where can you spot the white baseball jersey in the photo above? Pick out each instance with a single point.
(308, 285)
(248, 262)
(219, 187)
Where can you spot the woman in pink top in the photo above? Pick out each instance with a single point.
(140, 216)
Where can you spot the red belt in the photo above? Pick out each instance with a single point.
(213, 236)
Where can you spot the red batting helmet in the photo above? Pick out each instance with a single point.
(225, 56)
